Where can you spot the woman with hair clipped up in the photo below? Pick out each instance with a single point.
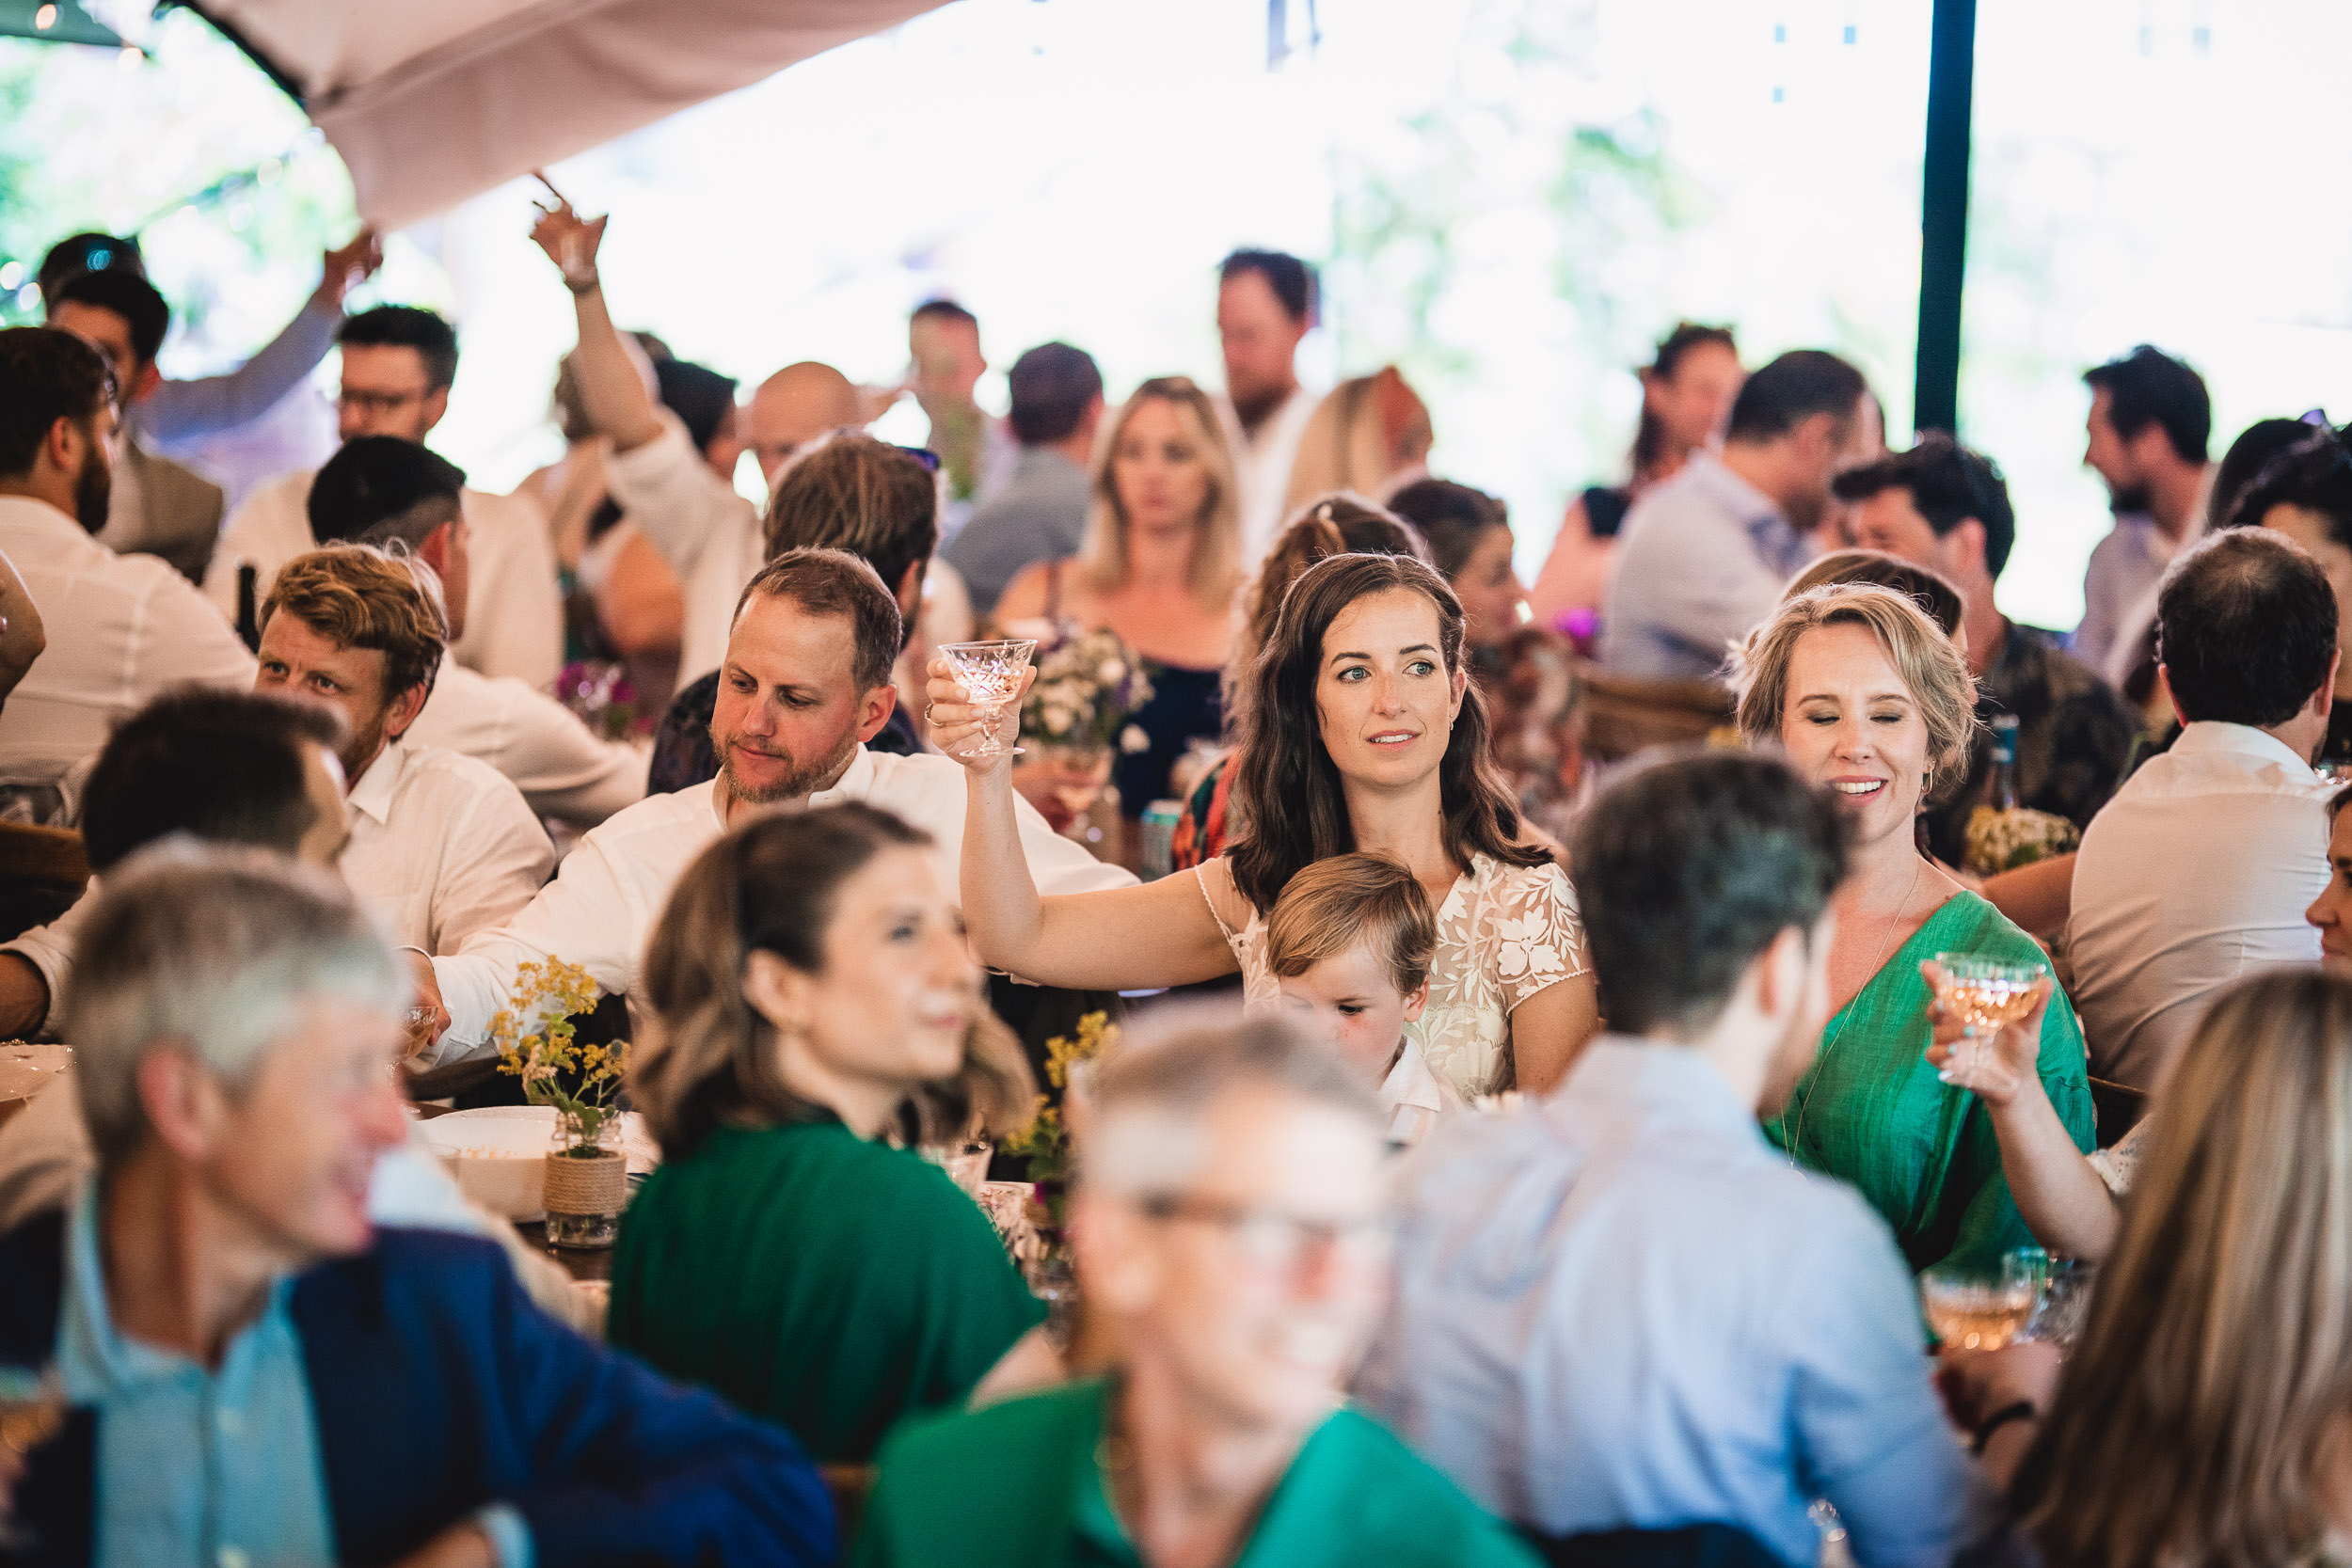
(1873, 702)
(1337, 524)
(1687, 392)
(812, 993)
(1361, 733)
(1158, 566)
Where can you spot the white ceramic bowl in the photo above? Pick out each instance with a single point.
(499, 1154)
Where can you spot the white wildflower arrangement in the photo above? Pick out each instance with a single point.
(2005, 840)
(1088, 685)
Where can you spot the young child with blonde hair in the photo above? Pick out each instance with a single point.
(1350, 941)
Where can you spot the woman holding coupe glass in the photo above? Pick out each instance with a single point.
(1361, 733)
(2073, 1203)
(2201, 1417)
(1873, 702)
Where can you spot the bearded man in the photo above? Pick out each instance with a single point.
(805, 684)
(121, 627)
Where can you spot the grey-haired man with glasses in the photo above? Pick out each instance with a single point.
(1232, 1243)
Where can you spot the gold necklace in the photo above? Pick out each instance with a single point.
(1796, 1135)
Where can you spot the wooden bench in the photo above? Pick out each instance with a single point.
(1623, 715)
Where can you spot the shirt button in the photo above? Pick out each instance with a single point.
(230, 1423)
(231, 1556)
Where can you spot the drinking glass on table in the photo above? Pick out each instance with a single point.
(1974, 1307)
(989, 674)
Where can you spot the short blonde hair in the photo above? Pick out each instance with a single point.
(1349, 901)
(1217, 550)
(364, 598)
(1929, 664)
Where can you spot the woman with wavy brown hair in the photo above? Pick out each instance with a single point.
(812, 995)
(2206, 1416)
(1328, 525)
(1361, 732)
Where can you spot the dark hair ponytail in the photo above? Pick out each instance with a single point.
(1650, 436)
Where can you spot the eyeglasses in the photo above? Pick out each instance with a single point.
(924, 455)
(1272, 1238)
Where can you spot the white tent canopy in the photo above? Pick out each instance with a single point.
(430, 101)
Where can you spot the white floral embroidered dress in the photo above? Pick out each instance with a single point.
(1504, 934)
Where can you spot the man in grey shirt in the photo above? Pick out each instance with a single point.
(1040, 514)
(1620, 1308)
(1703, 557)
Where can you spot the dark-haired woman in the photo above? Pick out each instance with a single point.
(1687, 393)
(1327, 526)
(1362, 732)
(812, 993)
(1470, 542)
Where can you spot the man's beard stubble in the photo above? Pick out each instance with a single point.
(798, 781)
(2128, 498)
(93, 490)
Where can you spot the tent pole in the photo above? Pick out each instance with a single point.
(1944, 215)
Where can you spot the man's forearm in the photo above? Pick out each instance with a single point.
(618, 403)
(23, 997)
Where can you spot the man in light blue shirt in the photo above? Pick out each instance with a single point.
(1703, 557)
(1040, 514)
(1621, 1308)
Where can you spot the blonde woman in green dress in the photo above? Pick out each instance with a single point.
(1873, 702)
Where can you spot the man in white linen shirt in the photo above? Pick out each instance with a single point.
(1266, 305)
(710, 535)
(2200, 868)
(121, 628)
(399, 363)
(441, 846)
(395, 495)
(806, 682)
(1703, 557)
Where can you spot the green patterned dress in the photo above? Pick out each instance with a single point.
(1872, 1111)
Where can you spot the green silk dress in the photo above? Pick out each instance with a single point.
(1872, 1111)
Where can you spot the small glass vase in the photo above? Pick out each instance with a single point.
(587, 1184)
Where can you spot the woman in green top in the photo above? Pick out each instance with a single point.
(813, 992)
(1871, 701)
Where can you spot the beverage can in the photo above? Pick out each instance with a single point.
(1159, 837)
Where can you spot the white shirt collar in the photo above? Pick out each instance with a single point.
(2211, 737)
(855, 784)
(31, 512)
(372, 795)
(1412, 1083)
